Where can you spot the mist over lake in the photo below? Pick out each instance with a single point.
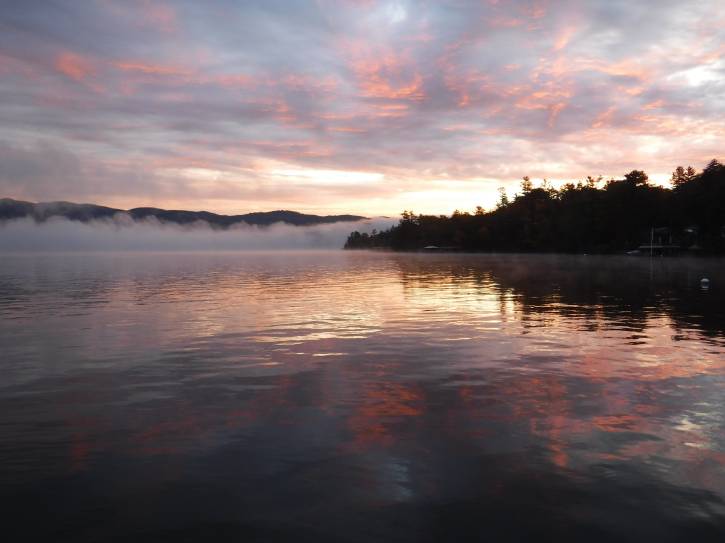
(357, 396)
(59, 235)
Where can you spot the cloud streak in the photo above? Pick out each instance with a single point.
(182, 104)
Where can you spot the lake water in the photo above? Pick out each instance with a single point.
(344, 396)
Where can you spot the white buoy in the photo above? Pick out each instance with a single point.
(705, 283)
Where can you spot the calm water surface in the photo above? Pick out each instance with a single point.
(361, 397)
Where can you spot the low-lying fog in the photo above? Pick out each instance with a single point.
(151, 235)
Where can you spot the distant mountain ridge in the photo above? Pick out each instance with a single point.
(41, 212)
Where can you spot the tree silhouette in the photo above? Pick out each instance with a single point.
(503, 199)
(636, 177)
(526, 185)
(681, 175)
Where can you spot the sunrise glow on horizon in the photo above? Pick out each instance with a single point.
(366, 106)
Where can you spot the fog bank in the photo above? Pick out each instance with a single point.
(151, 235)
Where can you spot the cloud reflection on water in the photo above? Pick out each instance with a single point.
(563, 378)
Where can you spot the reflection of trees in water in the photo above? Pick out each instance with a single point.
(608, 291)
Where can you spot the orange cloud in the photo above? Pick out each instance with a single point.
(384, 74)
(391, 110)
(568, 66)
(505, 22)
(376, 84)
(73, 66)
(564, 37)
(350, 129)
(657, 104)
(150, 69)
(544, 99)
(604, 118)
(554, 112)
(234, 80)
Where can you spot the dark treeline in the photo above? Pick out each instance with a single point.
(577, 218)
(16, 209)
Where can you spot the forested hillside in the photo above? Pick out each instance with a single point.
(589, 216)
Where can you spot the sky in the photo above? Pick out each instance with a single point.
(364, 106)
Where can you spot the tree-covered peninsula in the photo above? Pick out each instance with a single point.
(593, 216)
